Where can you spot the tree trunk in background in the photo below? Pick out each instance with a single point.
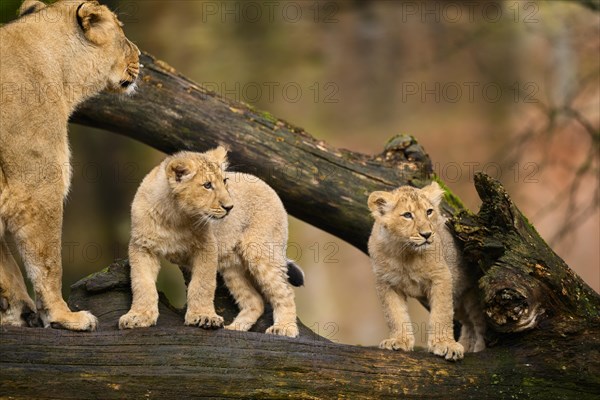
(544, 320)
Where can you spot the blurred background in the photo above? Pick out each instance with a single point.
(507, 87)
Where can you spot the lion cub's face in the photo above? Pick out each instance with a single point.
(198, 183)
(410, 214)
(101, 30)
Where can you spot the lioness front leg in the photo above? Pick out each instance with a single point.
(144, 305)
(395, 310)
(38, 237)
(16, 307)
(440, 340)
(201, 291)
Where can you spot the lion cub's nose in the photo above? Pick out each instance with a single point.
(426, 235)
(227, 208)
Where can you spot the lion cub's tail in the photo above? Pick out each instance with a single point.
(295, 274)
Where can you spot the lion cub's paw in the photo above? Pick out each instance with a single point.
(449, 349)
(239, 326)
(133, 319)
(204, 321)
(75, 321)
(479, 345)
(289, 330)
(398, 344)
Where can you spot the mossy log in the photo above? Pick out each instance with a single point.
(525, 284)
(171, 361)
(544, 321)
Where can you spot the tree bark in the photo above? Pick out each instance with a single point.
(544, 320)
(524, 284)
(171, 361)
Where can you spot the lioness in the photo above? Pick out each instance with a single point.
(414, 254)
(192, 211)
(53, 57)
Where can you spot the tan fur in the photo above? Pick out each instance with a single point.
(175, 216)
(407, 262)
(53, 58)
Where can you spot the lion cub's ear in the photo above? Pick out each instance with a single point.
(434, 193)
(219, 156)
(380, 203)
(180, 170)
(30, 7)
(96, 21)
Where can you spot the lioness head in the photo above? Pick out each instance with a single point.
(100, 30)
(410, 214)
(198, 183)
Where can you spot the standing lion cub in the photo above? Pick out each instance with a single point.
(52, 58)
(414, 254)
(192, 211)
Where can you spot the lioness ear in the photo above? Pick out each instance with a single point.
(30, 7)
(180, 170)
(434, 193)
(380, 203)
(219, 156)
(95, 21)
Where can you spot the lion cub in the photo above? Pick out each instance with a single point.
(192, 211)
(414, 254)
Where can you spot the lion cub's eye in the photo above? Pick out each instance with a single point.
(407, 215)
(430, 211)
(225, 180)
(207, 185)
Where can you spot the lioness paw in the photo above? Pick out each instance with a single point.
(204, 321)
(75, 321)
(397, 344)
(18, 312)
(448, 349)
(133, 320)
(289, 330)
